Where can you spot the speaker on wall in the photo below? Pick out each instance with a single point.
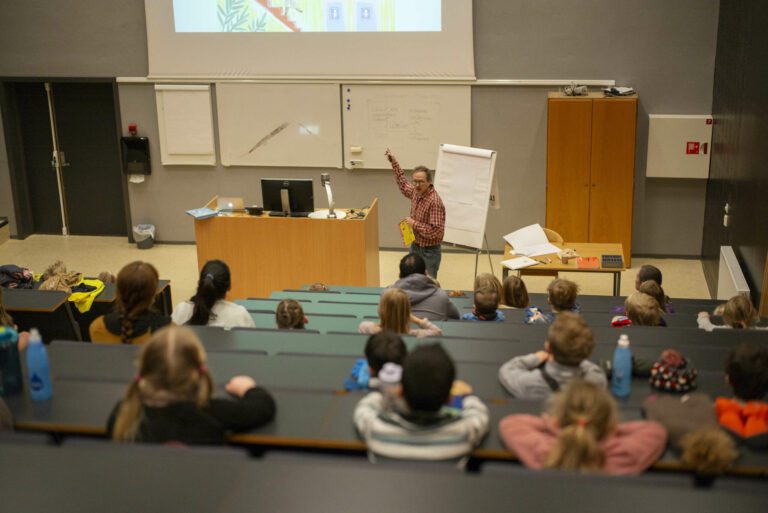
(136, 155)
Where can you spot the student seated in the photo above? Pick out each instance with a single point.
(738, 313)
(693, 431)
(488, 280)
(582, 433)
(650, 273)
(418, 426)
(133, 319)
(745, 416)
(170, 400)
(643, 310)
(382, 348)
(564, 358)
(486, 307)
(561, 296)
(514, 293)
(395, 315)
(289, 315)
(427, 298)
(208, 306)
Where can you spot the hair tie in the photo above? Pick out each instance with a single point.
(203, 369)
(137, 377)
(581, 422)
(209, 276)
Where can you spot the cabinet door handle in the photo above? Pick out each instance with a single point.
(594, 185)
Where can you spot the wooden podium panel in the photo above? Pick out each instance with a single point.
(266, 254)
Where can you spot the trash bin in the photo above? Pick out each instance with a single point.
(144, 235)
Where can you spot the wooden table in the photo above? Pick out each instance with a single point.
(584, 249)
(273, 253)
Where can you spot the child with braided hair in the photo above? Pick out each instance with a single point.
(133, 319)
(290, 316)
(169, 400)
(581, 433)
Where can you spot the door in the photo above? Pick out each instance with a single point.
(569, 128)
(612, 180)
(88, 137)
(85, 123)
(36, 148)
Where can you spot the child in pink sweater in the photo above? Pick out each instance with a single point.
(581, 433)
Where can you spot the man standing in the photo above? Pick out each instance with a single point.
(427, 217)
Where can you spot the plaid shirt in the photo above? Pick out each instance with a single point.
(427, 210)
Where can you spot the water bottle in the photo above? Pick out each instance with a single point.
(40, 388)
(389, 378)
(621, 378)
(10, 366)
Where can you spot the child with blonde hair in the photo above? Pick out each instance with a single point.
(514, 293)
(643, 310)
(289, 315)
(582, 433)
(170, 399)
(738, 313)
(395, 315)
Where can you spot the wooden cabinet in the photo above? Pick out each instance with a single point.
(591, 168)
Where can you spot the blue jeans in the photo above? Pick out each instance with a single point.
(431, 255)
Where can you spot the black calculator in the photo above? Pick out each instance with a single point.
(611, 262)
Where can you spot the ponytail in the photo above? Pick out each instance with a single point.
(586, 413)
(577, 448)
(136, 289)
(129, 416)
(213, 285)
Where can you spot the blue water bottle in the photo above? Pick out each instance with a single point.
(10, 366)
(621, 377)
(40, 388)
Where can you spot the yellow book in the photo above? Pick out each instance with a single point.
(406, 233)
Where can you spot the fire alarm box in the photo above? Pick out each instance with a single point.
(679, 146)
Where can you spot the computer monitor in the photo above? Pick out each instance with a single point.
(288, 194)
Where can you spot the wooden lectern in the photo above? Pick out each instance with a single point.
(266, 254)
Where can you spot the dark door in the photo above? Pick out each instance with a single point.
(87, 131)
(34, 126)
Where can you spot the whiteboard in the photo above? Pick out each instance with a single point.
(297, 125)
(185, 123)
(464, 180)
(411, 120)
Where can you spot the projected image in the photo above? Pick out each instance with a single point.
(307, 15)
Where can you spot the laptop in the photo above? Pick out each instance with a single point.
(230, 204)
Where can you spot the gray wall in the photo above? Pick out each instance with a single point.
(664, 49)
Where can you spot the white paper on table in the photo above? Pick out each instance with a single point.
(530, 241)
(519, 263)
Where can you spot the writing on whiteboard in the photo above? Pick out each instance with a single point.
(408, 119)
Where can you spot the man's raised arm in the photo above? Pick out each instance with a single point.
(402, 182)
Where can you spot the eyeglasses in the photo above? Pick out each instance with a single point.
(418, 181)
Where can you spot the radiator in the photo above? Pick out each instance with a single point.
(730, 279)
